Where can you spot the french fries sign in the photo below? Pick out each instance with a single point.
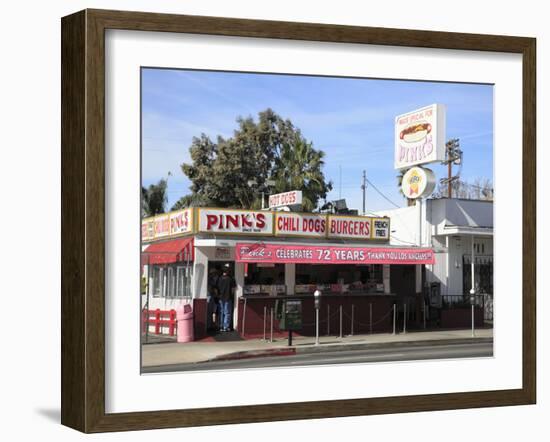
(420, 137)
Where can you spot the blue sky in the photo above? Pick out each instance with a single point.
(351, 120)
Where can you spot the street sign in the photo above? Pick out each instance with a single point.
(291, 315)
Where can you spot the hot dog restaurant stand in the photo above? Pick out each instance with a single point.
(277, 255)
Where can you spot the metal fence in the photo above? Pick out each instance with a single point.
(484, 300)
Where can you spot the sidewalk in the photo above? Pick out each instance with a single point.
(192, 352)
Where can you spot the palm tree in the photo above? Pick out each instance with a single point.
(191, 200)
(298, 166)
(154, 198)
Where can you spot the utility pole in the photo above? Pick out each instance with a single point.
(449, 177)
(453, 155)
(364, 189)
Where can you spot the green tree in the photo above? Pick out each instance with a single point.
(258, 151)
(299, 167)
(144, 203)
(154, 199)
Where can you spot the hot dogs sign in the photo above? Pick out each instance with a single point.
(420, 137)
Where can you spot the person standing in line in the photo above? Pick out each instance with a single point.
(212, 300)
(225, 292)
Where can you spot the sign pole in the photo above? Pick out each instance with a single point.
(316, 326)
(419, 222)
(271, 317)
(317, 305)
(265, 316)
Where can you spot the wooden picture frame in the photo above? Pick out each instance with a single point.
(83, 220)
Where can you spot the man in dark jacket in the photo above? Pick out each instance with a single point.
(225, 292)
(212, 300)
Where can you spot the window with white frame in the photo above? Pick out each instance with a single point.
(157, 281)
(183, 281)
(172, 281)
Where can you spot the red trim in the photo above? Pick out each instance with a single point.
(159, 318)
(168, 252)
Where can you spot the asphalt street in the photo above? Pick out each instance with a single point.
(392, 353)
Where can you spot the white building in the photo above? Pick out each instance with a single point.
(274, 254)
(450, 227)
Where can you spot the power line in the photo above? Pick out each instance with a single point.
(364, 189)
(381, 194)
(402, 240)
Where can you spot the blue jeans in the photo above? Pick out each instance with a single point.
(212, 307)
(226, 313)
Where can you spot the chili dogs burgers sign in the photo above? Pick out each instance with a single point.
(235, 221)
(420, 137)
(300, 224)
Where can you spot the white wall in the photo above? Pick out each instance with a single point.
(30, 91)
(436, 214)
(403, 225)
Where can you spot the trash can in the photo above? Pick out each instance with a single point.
(184, 316)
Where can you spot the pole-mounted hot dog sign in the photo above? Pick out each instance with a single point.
(420, 137)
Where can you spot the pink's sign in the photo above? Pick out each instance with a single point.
(420, 137)
(281, 253)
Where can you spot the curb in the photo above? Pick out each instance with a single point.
(377, 345)
(311, 348)
(247, 354)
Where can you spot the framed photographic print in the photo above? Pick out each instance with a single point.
(270, 220)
